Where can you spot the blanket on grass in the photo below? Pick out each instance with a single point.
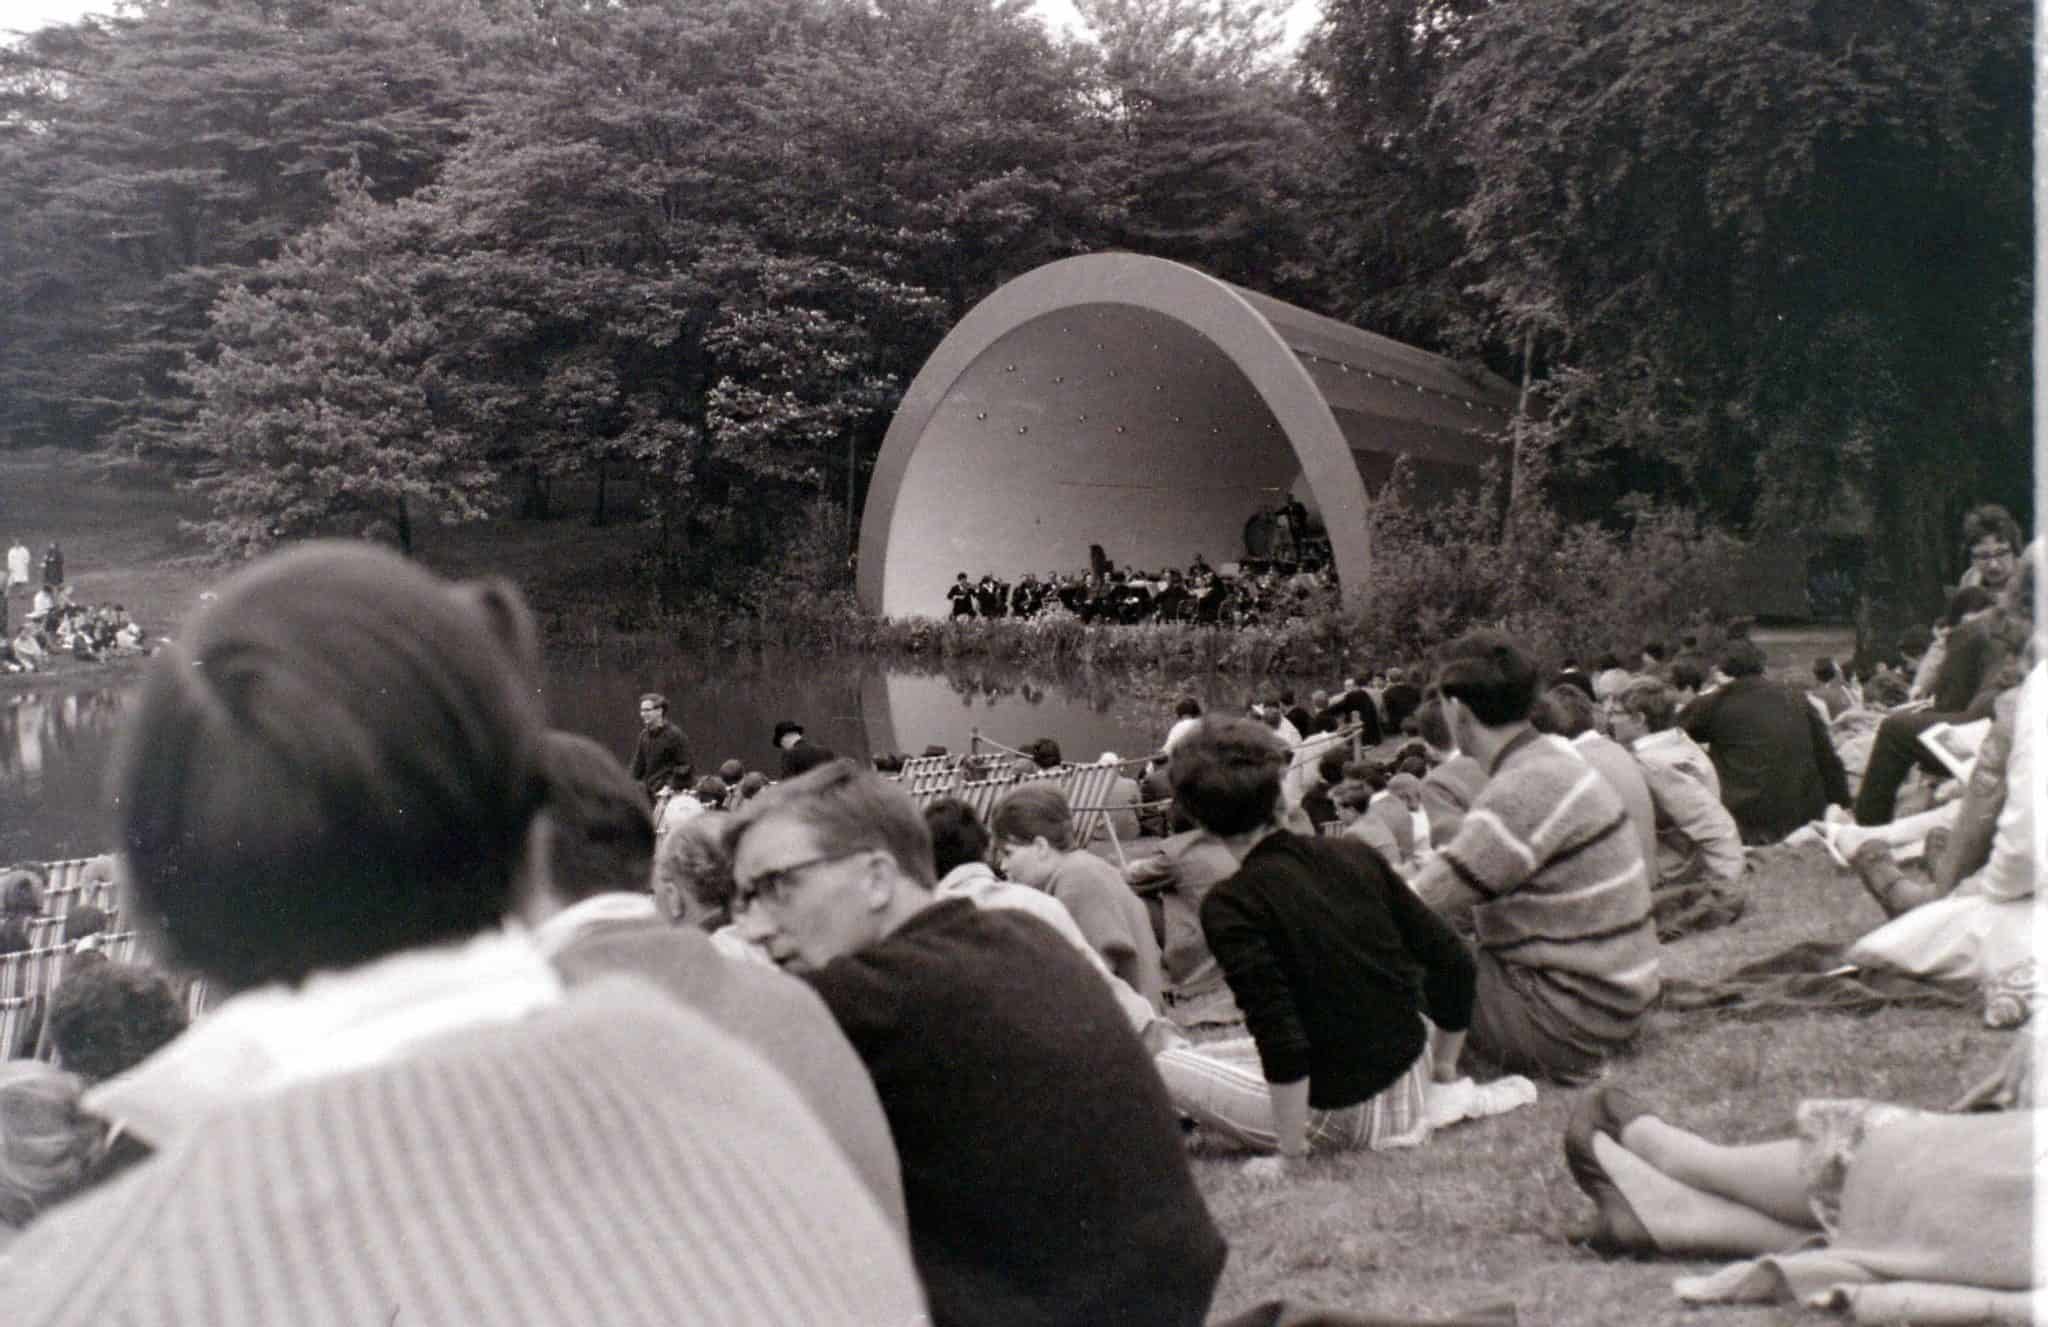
(1811, 976)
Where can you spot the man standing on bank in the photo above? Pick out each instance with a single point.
(662, 750)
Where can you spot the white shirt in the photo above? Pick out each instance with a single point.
(267, 1039)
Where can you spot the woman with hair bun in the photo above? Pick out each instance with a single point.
(330, 796)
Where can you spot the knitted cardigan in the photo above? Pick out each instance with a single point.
(612, 1160)
(1547, 867)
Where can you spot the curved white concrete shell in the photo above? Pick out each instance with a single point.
(1139, 404)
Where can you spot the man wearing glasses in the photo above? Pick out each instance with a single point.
(1992, 537)
(1967, 675)
(1042, 1167)
(662, 753)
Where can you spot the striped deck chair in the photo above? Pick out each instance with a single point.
(19, 1015)
(983, 794)
(1087, 788)
(931, 783)
(78, 871)
(120, 946)
(32, 972)
(45, 930)
(923, 765)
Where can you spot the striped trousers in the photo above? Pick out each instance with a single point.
(1222, 1088)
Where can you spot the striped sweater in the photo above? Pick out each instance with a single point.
(612, 1160)
(1547, 869)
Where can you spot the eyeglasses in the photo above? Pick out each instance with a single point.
(775, 886)
(1990, 555)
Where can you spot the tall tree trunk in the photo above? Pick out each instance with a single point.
(538, 505)
(404, 528)
(597, 515)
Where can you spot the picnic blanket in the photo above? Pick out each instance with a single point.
(1811, 976)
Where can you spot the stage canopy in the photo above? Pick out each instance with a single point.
(1142, 405)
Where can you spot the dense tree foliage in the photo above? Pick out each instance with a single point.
(373, 262)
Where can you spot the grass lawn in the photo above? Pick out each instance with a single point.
(1475, 1216)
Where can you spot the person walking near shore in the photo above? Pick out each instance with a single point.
(662, 751)
(18, 561)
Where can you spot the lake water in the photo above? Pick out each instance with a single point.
(54, 747)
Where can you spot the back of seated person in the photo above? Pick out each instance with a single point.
(1546, 873)
(377, 1002)
(106, 1018)
(1565, 712)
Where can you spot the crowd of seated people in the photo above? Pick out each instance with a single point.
(790, 1031)
(55, 628)
(1238, 594)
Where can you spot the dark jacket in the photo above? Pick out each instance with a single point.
(1778, 766)
(659, 755)
(1333, 959)
(1042, 1165)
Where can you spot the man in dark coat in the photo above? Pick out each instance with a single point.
(961, 596)
(662, 751)
(1777, 765)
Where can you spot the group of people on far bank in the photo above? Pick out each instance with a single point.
(51, 626)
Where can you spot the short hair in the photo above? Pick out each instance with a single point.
(1226, 775)
(1572, 677)
(710, 790)
(694, 860)
(889, 762)
(1486, 672)
(1687, 672)
(1915, 640)
(1045, 752)
(1742, 657)
(1187, 707)
(600, 835)
(1432, 726)
(805, 757)
(1657, 650)
(732, 771)
(106, 1018)
(1652, 702)
(848, 810)
(752, 785)
(1970, 599)
(1991, 521)
(82, 921)
(958, 836)
(50, 1148)
(1565, 711)
(656, 699)
(1331, 766)
(338, 760)
(1825, 670)
(1035, 809)
(21, 898)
